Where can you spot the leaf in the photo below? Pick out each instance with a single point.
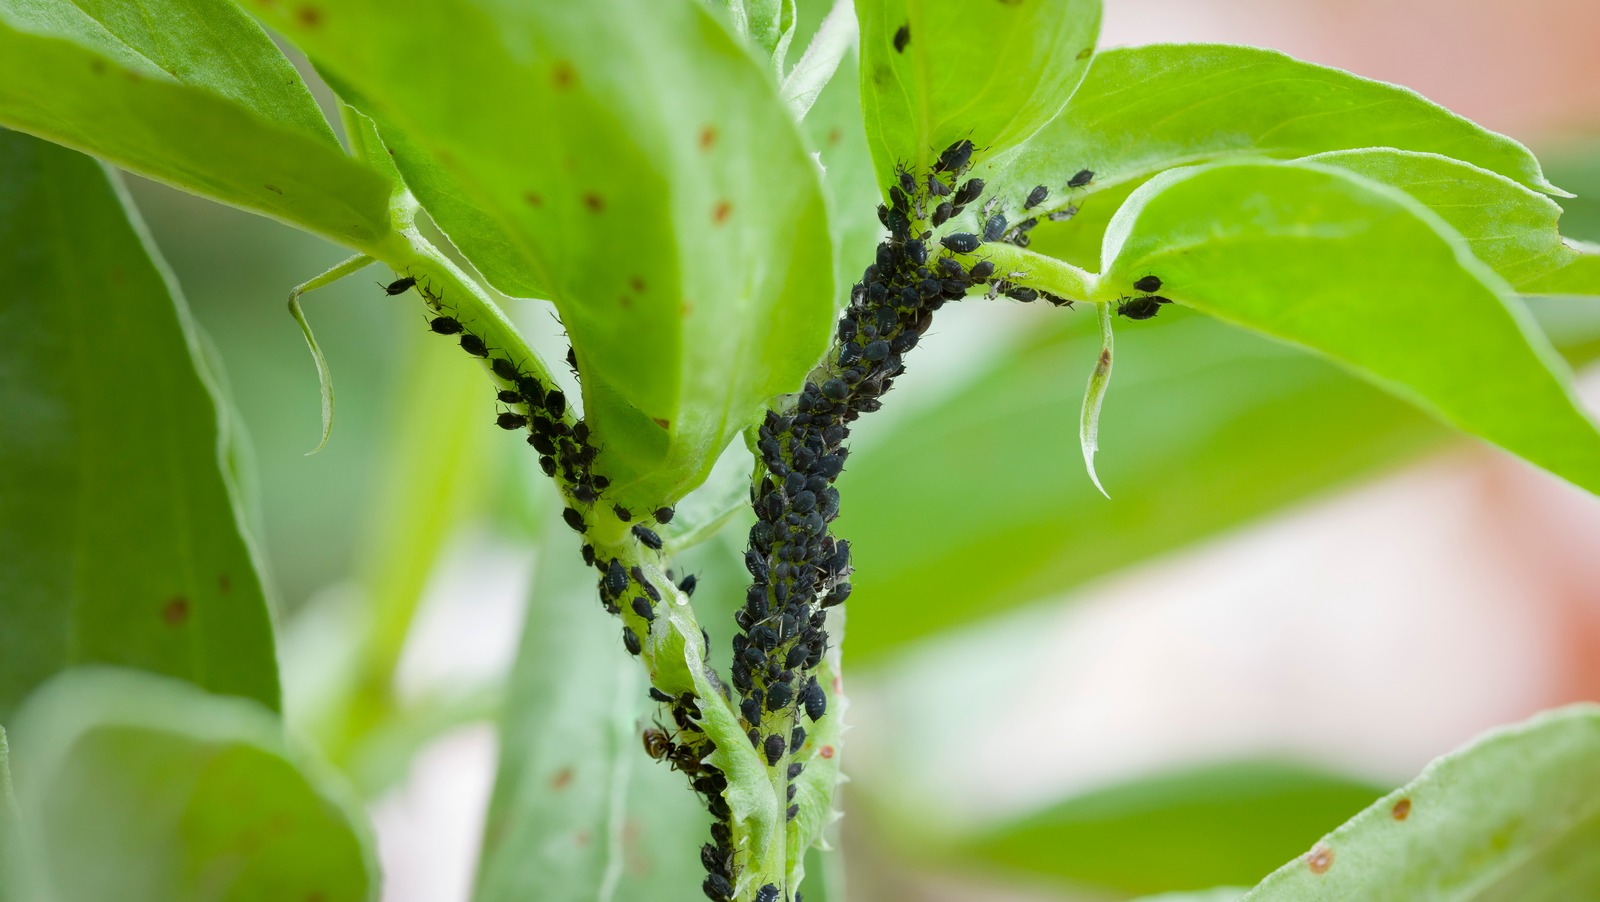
(9, 820)
(120, 538)
(1205, 825)
(817, 66)
(1094, 395)
(1219, 894)
(1513, 815)
(204, 103)
(834, 125)
(1509, 227)
(675, 218)
(993, 73)
(579, 812)
(137, 787)
(1369, 277)
(1142, 110)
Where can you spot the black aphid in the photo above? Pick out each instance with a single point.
(1148, 284)
(555, 402)
(969, 191)
(688, 584)
(664, 514)
(642, 607)
(399, 286)
(815, 700)
(505, 369)
(622, 513)
(981, 271)
(1139, 308)
(445, 325)
(774, 748)
(942, 213)
(795, 769)
(1036, 197)
(955, 157)
(647, 537)
(961, 242)
(507, 396)
(574, 520)
(474, 345)
(792, 812)
(511, 420)
(717, 888)
(1084, 177)
(768, 893)
(995, 228)
(630, 639)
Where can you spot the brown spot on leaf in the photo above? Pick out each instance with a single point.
(176, 611)
(637, 284)
(1401, 809)
(826, 751)
(719, 213)
(274, 189)
(309, 16)
(316, 895)
(1319, 859)
(835, 135)
(708, 137)
(533, 199)
(581, 837)
(97, 66)
(224, 584)
(664, 424)
(1085, 53)
(563, 75)
(625, 300)
(562, 779)
(594, 202)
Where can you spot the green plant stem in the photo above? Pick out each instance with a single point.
(1045, 273)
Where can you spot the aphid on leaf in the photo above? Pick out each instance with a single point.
(1083, 177)
(474, 345)
(446, 325)
(1139, 308)
(902, 37)
(647, 537)
(511, 420)
(774, 748)
(641, 606)
(574, 520)
(995, 228)
(1148, 284)
(955, 158)
(664, 514)
(961, 242)
(630, 640)
(1037, 196)
(398, 286)
(622, 513)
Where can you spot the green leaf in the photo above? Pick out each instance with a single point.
(675, 218)
(10, 823)
(993, 73)
(1511, 228)
(1513, 815)
(120, 538)
(1219, 894)
(1368, 276)
(1094, 395)
(579, 812)
(204, 102)
(1142, 110)
(1203, 826)
(141, 788)
(834, 125)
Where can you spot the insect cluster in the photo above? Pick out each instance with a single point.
(1148, 304)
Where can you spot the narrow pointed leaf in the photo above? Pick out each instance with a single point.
(1094, 395)
(120, 539)
(1368, 276)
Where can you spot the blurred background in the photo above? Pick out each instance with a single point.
(1300, 592)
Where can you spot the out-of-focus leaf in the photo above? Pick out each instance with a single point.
(1510, 227)
(579, 811)
(1219, 894)
(1205, 826)
(10, 822)
(1141, 110)
(191, 93)
(1368, 276)
(675, 218)
(141, 788)
(936, 71)
(1513, 815)
(834, 125)
(834, 39)
(120, 540)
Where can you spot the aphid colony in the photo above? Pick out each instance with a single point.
(798, 569)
